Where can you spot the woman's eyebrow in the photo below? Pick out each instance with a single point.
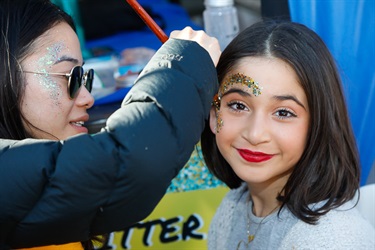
(289, 97)
(66, 59)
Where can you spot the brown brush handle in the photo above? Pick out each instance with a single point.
(148, 20)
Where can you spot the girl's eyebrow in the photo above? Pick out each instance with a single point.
(238, 91)
(276, 97)
(66, 59)
(289, 97)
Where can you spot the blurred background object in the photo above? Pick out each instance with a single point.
(220, 20)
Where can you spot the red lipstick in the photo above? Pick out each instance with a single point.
(251, 156)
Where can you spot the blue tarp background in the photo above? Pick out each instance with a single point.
(348, 28)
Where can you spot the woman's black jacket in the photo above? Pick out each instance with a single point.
(54, 192)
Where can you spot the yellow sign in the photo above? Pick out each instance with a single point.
(180, 221)
(182, 218)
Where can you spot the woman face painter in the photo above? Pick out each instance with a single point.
(47, 107)
(59, 184)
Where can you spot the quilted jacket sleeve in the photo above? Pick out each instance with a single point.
(56, 192)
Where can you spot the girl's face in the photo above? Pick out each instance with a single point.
(262, 137)
(46, 103)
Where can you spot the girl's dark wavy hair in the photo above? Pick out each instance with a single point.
(329, 167)
(22, 23)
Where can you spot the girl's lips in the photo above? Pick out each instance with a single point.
(251, 156)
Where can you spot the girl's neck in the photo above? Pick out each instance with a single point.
(264, 194)
(262, 209)
(264, 199)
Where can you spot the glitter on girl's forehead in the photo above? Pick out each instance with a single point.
(242, 79)
(44, 64)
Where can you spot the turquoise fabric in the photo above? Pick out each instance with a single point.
(71, 7)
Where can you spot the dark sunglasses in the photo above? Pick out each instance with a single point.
(76, 77)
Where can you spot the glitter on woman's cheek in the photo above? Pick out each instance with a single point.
(47, 81)
(52, 87)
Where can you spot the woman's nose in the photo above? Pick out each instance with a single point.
(84, 98)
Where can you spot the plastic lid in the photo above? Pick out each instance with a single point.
(218, 3)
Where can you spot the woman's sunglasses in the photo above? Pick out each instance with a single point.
(76, 77)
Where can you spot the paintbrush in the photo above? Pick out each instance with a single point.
(148, 20)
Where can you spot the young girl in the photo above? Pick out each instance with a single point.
(59, 184)
(279, 136)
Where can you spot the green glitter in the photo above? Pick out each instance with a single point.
(194, 175)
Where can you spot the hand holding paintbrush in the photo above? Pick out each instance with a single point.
(210, 44)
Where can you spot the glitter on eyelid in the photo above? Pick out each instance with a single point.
(228, 82)
(237, 78)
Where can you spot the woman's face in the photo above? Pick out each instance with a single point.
(262, 137)
(46, 103)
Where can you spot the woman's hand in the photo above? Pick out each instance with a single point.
(211, 44)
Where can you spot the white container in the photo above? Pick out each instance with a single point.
(104, 67)
(104, 80)
(220, 20)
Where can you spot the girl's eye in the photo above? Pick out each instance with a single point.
(285, 113)
(237, 106)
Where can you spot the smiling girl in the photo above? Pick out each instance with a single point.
(279, 136)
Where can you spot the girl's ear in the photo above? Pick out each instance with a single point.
(213, 120)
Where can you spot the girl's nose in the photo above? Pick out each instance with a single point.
(257, 129)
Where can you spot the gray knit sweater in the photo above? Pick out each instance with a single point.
(342, 228)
